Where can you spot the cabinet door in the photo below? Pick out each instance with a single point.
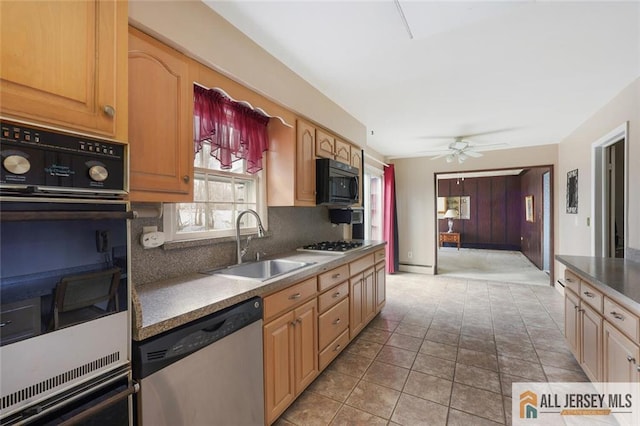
(325, 145)
(306, 345)
(306, 163)
(356, 157)
(621, 356)
(381, 286)
(278, 365)
(356, 301)
(571, 306)
(160, 122)
(369, 310)
(342, 151)
(64, 63)
(591, 342)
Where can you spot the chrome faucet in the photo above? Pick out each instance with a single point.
(241, 252)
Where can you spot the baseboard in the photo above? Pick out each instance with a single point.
(418, 269)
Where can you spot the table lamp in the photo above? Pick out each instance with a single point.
(450, 214)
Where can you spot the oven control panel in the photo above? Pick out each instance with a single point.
(37, 160)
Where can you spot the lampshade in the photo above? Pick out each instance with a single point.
(451, 213)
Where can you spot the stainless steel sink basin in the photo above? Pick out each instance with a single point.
(261, 271)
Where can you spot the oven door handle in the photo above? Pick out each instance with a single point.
(133, 388)
(64, 215)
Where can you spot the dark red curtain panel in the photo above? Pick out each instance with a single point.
(235, 131)
(390, 219)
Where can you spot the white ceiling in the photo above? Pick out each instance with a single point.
(535, 70)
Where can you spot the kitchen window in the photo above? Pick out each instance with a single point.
(219, 196)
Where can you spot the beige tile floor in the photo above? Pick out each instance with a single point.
(443, 351)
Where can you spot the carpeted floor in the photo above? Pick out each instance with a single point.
(490, 265)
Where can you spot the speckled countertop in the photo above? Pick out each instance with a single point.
(618, 278)
(166, 304)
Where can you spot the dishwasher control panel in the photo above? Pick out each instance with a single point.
(160, 351)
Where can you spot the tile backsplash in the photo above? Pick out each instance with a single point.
(289, 228)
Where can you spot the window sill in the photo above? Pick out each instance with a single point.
(200, 242)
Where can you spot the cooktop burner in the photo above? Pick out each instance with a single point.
(333, 246)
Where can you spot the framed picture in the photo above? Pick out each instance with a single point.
(528, 208)
(572, 192)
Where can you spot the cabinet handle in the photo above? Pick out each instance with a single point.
(569, 280)
(299, 321)
(2, 324)
(580, 310)
(576, 307)
(335, 276)
(185, 179)
(109, 111)
(295, 296)
(336, 294)
(336, 348)
(337, 321)
(617, 315)
(631, 359)
(589, 294)
(293, 323)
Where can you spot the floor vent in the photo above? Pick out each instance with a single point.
(156, 355)
(60, 379)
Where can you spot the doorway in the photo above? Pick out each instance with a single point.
(546, 222)
(610, 186)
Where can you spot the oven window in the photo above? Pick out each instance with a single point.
(60, 273)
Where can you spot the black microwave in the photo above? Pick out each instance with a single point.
(336, 183)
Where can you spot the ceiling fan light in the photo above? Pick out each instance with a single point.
(461, 158)
(449, 158)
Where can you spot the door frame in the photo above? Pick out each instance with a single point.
(599, 187)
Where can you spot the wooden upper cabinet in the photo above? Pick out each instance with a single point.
(305, 163)
(64, 63)
(325, 144)
(342, 151)
(160, 121)
(356, 157)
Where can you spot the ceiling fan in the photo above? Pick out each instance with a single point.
(462, 148)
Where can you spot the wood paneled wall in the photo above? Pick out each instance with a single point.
(494, 211)
(531, 184)
(497, 219)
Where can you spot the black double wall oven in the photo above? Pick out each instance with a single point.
(65, 323)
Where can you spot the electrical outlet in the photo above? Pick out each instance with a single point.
(410, 255)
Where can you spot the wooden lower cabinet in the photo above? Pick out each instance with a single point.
(621, 356)
(290, 357)
(571, 306)
(590, 342)
(381, 286)
(302, 338)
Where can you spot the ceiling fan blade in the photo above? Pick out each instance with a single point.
(470, 135)
(473, 154)
(440, 156)
(483, 146)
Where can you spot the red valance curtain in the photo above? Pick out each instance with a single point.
(235, 131)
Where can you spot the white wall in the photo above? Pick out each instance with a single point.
(416, 192)
(575, 152)
(194, 29)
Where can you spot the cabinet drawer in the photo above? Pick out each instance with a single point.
(378, 256)
(333, 296)
(627, 322)
(333, 277)
(333, 349)
(592, 296)
(333, 322)
(571, 281)
(361, 264)
(289, 297)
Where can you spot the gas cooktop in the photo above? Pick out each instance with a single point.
(332, 247)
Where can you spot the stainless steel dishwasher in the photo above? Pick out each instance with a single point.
(207, 372)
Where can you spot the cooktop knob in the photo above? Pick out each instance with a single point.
(98, 173)
(16, 164)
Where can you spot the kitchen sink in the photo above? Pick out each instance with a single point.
(262, 270)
